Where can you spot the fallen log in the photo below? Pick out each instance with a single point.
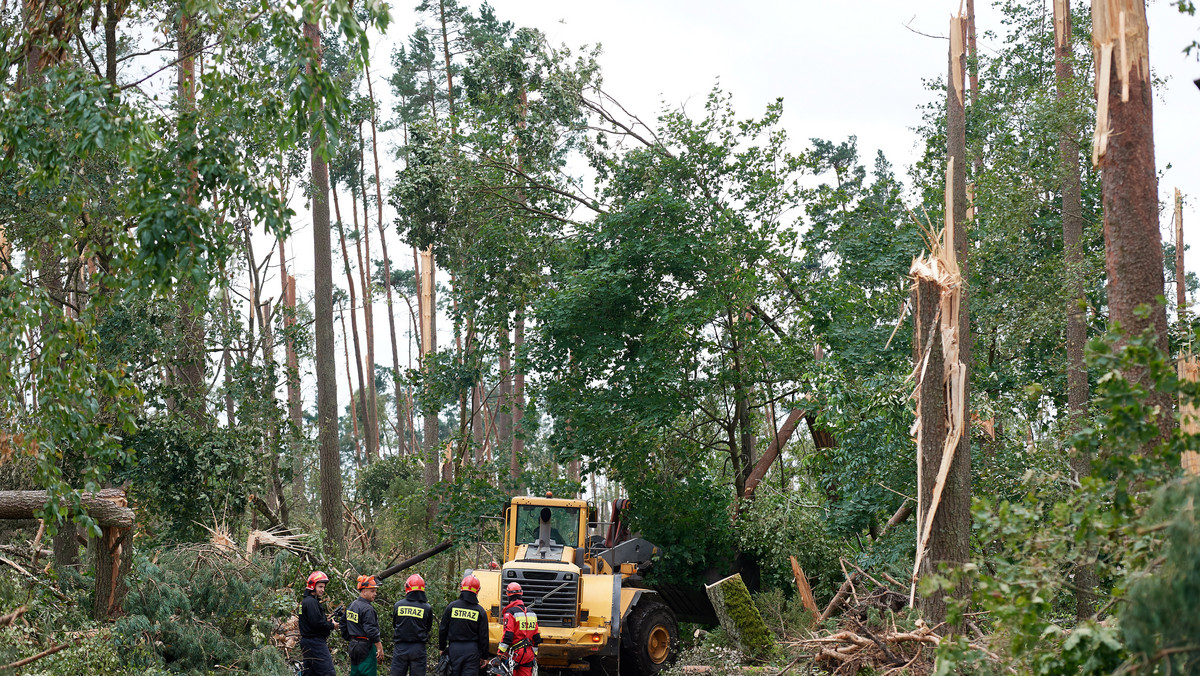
(108, 507)
(409, 563)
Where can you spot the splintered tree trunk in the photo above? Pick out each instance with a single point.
(944, 452)
(327, 423)
(1180, 276)
(295, 413)
(428, 350)
(1072, 225)
(1124, 151)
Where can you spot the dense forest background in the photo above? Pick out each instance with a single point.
(684, 307)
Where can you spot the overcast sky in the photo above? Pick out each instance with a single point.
(843, 68)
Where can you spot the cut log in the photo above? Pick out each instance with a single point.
(738, 615)
(108, 507)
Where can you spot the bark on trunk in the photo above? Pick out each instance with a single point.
(428, 349)
(370, 396)
(358, 410)
(1072, 227)
(358, 458)
(1124, 151)
(504, 413)
(295, 413)
(192, 297)
(330, 456)
(518, 402)
(950, 530)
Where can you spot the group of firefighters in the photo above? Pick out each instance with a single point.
(462, 632)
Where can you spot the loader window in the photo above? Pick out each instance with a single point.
(564, 524)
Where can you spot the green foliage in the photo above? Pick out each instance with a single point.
(186, 475)
(190, 610)
(773, 528)
(1128, 519)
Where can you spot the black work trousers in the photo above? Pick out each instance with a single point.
(409, 659)
(464, 658)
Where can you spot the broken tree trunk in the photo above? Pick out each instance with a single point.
(941, 347)
(1123, 149)
(773, 451)
(803, 588)
(738, 615)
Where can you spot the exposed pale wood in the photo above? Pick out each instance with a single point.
(28, 660)
(802, 586)
(1189, 416)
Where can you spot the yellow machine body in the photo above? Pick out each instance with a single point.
(580, 620)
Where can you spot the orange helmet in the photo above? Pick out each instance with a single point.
(314, 578)
(367, 582)
(470, 583)
(513, 589)
(414, 583)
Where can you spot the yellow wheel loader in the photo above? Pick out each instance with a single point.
(585, 590)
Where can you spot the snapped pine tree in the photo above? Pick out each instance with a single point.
(941, 346)
(1123, 149)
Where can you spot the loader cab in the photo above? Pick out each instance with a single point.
(544, 529)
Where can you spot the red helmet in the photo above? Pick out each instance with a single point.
(470, 583)
(414, 583)
(314, 578)
(513, 589)
(367, 582)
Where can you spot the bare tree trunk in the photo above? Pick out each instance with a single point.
(428, 350)
(358, 401)
(1124, 151)
(1072, 225)
(387, 271)
(370, 396)
(192, 297)
(358, 456)
(504, 414)
(295, 413)
(518, 397)
(331, 471)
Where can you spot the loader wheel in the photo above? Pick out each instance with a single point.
(650, 640)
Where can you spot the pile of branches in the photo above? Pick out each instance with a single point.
(886, 649)
(887, 652)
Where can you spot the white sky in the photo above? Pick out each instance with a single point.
(842, 68)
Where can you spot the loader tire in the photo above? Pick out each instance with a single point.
(649, 640)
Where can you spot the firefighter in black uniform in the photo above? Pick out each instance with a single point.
(314, 628)
(363, 626)
(463, 631)
(412, 618)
